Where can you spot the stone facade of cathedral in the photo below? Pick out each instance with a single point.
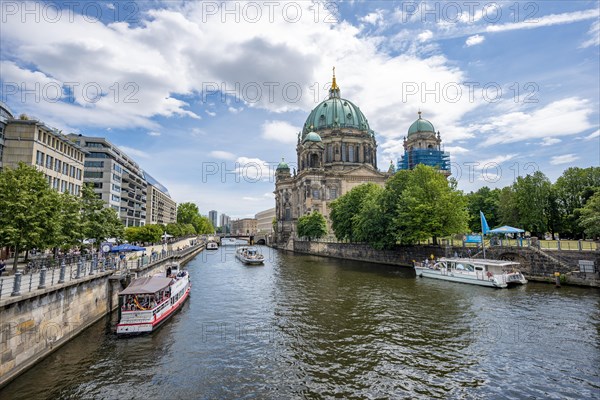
(336, 151)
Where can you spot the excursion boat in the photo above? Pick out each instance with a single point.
(228, 241)
(212, 246)
(148, 302)
(249, 255)
(476, 271)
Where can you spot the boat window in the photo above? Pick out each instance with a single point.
(479, 268)
(469, 267)
(459, 266)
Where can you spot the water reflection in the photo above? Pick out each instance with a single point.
(312, 327)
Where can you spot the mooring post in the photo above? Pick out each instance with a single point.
(42, 284)
(557, 278)
(79, 268)
(63, 266)
(17, 285)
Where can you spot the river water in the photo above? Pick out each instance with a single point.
(309, 327)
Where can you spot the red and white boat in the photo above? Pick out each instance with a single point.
(148, 302)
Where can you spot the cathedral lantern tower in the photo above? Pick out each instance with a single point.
(423, 145)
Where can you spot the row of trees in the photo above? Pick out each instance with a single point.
(414, 205)
(535, 204)
(34, 216)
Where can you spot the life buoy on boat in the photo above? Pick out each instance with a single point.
(489, 274)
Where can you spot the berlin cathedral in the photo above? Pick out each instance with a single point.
(337, 151)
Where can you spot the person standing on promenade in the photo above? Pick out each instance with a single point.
(2, 266)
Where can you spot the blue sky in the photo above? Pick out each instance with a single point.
(209, 96)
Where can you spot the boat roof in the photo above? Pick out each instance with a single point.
(147, 285)
(485, 261)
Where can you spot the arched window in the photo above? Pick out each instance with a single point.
(351, 153)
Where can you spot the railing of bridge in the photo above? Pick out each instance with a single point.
(47, 273)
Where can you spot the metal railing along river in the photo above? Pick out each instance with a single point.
(46, 273)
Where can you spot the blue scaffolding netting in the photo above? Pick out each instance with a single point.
(434, 158)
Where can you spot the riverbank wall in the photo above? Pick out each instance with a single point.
(35, 324)
(536, 265)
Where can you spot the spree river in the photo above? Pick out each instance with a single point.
(309, 327)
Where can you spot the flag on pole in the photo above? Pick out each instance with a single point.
(485, 228)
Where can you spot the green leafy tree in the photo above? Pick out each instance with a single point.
(347, 206)
(589, 216)
(430, 207)
(532, 199)
(487, 201)
(312, 226)
(99, 222)
(572, 189)
(372, 223)
(133, 234)
(175, 230)
(507, 207)
(28, 209)
(187, 213)
(71, 223)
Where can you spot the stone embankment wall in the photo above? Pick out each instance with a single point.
(34, 324)
(535, 264)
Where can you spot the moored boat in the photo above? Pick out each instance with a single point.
(227, 241)
(475, 271)
(148, 302)
(249, 255)
(212, 246)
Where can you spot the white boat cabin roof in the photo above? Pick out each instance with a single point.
(479, 261)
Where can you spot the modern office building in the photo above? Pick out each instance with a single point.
(225, 223)
(245, 226)
(32, 142)
(117, 179)
(160, 207)
(212, 216)
(264, 221)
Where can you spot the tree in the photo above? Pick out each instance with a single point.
(99, 222)
(532, 200)
(347, 206)
(430, 207)
(486, 201)
(71, 223)
(312, 226)
(187, 212)
(202, 225)
(27, 209)
(589, 218)
(372, 223)
(573, 188)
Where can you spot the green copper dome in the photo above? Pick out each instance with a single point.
(282, 166)
(335, 112)
(312, 137)
(421, 125)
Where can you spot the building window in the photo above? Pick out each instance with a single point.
(316, 194)
(65, 169)
(344, 152)
(288, 214)
(93, 174)
(94, 164)
(115, 198)
(116, 188)
(116, 178)
(56, 183)
(117, 168)
(72, 171)
(39, 158)
(77, 188)
(78, 174)
(71, 188)
(49, 161)
(63, 186)
(329, 153)
(97, 185)
(351, 153)
(333, 193)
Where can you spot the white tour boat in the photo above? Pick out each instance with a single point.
(227, 241)
(476, 271)
(212, 246)
(249, 255)
(148, 302)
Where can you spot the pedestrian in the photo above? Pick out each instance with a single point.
(2, 266)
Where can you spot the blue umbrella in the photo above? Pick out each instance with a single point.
(506, 229)
(126, 247)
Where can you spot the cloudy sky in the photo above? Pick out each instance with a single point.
(209, 96)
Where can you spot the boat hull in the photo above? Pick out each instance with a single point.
(149, 326)
(453, 276)
(250, 261)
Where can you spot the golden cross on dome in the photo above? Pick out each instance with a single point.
(334, 85)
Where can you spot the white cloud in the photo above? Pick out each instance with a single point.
(374, 18)
(456, 150)
(211, 113)
(593, 135)
(564, 159)
(222, 155)
(549, 141)
(253, 170)
(546, 20)
(474, 40)
(497, 160)
(280, 131)
(133, 153)
(153, 133)
(234, 110)
(594, 34)
(425, 36)
(553, 120)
